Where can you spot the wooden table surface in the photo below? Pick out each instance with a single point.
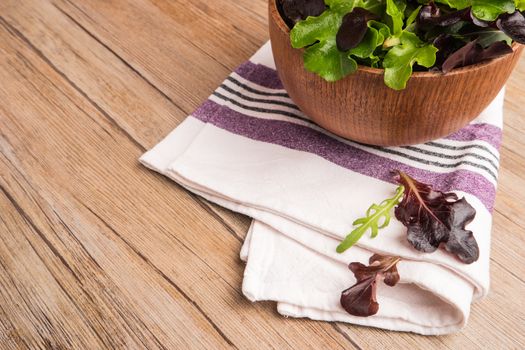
(98, 252)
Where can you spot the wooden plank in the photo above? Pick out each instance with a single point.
(128, 232)
(132, 110)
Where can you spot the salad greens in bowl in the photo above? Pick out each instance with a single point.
(395, 72)
(401, 35)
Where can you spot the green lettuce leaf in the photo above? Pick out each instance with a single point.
(375, 36)
(413, 16)
(520, 4)
(318, 35)
(395, 9)
(375, 6)
(489, 37)
(456, 4)
(489, 10)
(399, 60)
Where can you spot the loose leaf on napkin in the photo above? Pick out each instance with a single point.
(360, 299)
(473, 52)
(318, 35)
(513, 25)
(434, 218)
(371, 221)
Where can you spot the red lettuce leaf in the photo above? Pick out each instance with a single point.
(434, 218)
(360, 299)
(431, 15)
(353, 28)
(473, 53)
(513, 25)
(294, 11)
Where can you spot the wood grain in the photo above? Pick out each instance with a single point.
(362, 108)
(97, 252)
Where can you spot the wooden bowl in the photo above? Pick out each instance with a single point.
(362, 108)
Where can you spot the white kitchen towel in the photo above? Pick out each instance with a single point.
(248, 148)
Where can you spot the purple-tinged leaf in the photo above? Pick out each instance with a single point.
(294, 11)
(430, 15)
(434, 218)
(446, 45)
(360, 299)
(513, 25)
(473, 53)
(353, 28)
(479, 22)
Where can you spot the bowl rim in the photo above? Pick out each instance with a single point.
(275, 14)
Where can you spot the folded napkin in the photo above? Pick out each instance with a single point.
(250, 149)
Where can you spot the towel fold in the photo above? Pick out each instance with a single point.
(250, 149)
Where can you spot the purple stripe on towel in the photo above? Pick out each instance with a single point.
(483, 132)
(303, 138)
(260, 74)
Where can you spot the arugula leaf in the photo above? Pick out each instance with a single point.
(360, 299)
(373, 215)
(489, 10)
(395, 9)
(399, 60)
(319, 34)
